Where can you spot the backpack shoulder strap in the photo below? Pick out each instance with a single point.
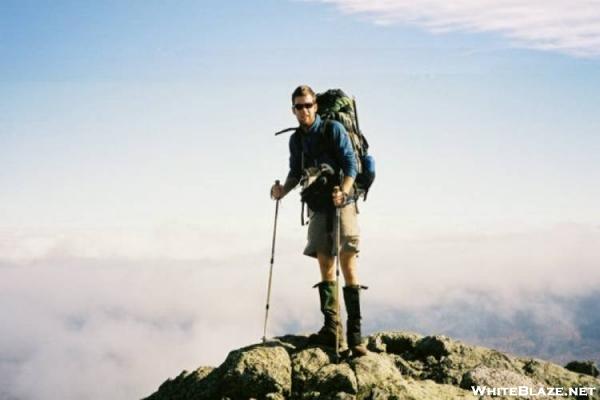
(298, 138)
(326, 134)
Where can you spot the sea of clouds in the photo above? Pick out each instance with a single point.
(113, 314)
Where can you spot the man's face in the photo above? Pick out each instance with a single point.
(305, 110)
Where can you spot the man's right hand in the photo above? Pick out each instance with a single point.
(277, 191)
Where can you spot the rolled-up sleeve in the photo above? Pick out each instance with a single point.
(345, 152)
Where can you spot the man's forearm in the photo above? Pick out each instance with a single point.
(290, 183)
(347, 184)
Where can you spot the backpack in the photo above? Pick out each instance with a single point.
(336, 105)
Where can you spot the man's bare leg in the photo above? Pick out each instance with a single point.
(326, 265)
(348, 262)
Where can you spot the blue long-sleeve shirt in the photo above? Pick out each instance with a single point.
(342, 157)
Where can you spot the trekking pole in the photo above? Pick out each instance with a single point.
(264, 339)
(338, 217)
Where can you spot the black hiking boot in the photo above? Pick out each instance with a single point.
(353, 328)
(328, 296)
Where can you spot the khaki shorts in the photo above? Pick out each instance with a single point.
(321, 241)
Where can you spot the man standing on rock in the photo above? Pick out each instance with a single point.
(307, 150)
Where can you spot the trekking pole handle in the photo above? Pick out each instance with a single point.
(277, 183)
(275, 227)
(347, 198)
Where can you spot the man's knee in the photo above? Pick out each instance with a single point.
(348, 255)
(325, 260)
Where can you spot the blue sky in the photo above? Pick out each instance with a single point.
(122, 103)
(137, 150)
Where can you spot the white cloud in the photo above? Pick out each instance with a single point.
(173, 242)
(73, 323)
(571, 27)
(561, 260)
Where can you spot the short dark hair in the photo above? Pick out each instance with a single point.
(303, 90)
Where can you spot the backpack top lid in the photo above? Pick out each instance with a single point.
(336, 105)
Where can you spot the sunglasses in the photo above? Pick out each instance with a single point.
(305, 105)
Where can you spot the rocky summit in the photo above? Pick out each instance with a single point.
(400, 365)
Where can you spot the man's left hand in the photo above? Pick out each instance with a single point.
(339, 197)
